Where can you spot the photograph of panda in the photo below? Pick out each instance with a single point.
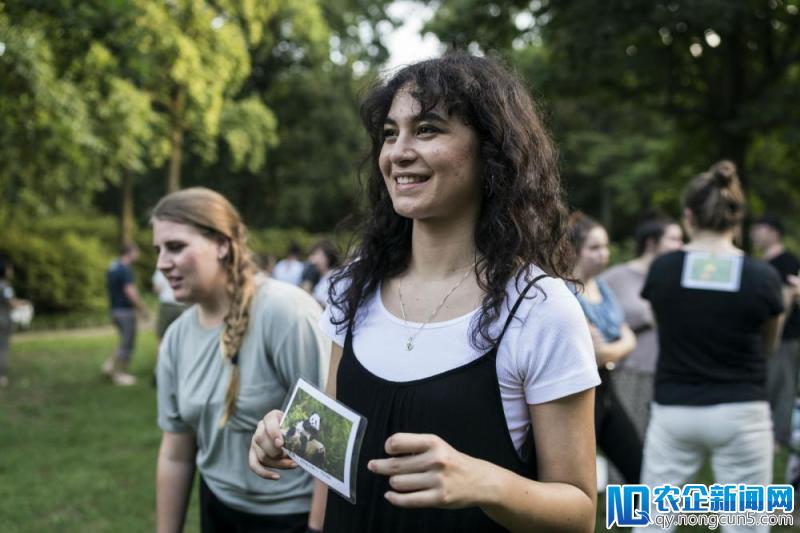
(317, 431)
(303, 439)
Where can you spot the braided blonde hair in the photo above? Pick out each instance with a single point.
(214, 216)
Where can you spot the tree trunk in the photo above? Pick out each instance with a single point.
(176, 152)
(127, 221)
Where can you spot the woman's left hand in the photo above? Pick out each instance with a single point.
(427, 472)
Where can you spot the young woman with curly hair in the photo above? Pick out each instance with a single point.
(454, 332)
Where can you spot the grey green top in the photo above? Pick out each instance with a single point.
(282, 344)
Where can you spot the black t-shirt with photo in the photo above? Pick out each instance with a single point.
(710, 341)
(787, 264)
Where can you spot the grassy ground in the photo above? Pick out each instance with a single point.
(78, 454)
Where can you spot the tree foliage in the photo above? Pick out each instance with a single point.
(47, 144)
(109, 102)
(641, 95)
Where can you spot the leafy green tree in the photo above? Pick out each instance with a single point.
(47, 143)
(675, 85)
(192, 57)
(311, 81)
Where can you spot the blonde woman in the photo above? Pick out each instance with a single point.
(233, 355)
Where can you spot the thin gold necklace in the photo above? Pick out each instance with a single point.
(411, 338)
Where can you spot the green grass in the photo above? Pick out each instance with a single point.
(78, 454)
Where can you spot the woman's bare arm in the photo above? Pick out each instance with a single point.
(174, 473)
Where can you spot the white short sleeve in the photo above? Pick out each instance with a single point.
(551, 347)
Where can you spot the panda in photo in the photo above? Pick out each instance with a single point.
(305, 431)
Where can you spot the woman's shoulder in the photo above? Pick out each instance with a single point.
(758, 265)
(184, 327)
(762, 270)
(666, 263)
(538, 282)
(275, 297)
(620, 274)
(549, 298)
(669, 258)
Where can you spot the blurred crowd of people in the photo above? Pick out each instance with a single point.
(698, 344)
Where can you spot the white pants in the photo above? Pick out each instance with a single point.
(737, 436)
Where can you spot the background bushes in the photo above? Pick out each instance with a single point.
(60, 262)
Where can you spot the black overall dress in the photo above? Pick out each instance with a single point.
(463, 406)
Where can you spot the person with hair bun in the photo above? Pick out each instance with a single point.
(454, 332)
(718, 314)
(234, 354)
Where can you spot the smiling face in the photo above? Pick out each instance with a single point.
(429, 162)
(593, 255)
(189, 260)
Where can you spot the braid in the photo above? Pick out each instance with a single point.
(240, 289)
(214, 216)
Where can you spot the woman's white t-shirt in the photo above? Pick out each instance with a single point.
(545, 354)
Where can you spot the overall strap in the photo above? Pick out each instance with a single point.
(516, 306)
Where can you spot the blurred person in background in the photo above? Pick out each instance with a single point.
(8, 302)
(125, 303)
(766, 233)
(613, 341)
(230, 357)
(718, 314)
(633, 376)
(168, 307)
(310, 277)
(265, 263)
(325, 257)
(290, 269)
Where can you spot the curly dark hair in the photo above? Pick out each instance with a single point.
(522, 220)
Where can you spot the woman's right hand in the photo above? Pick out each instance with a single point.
(266, 447)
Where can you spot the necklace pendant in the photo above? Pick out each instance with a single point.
(409, 344)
